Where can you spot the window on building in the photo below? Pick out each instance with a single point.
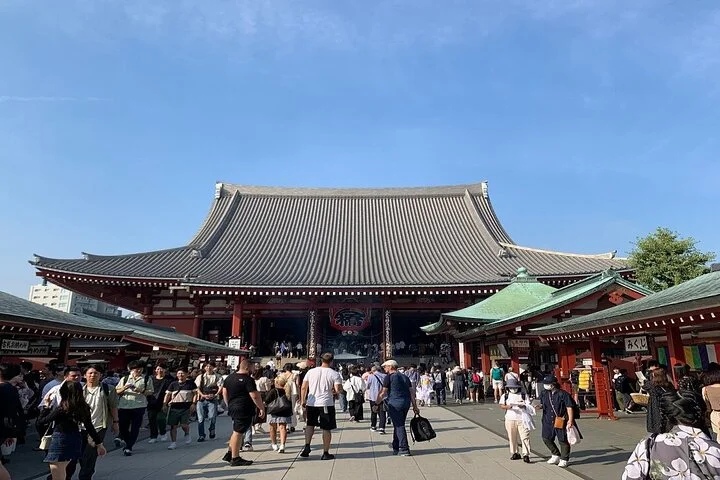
(63, 305)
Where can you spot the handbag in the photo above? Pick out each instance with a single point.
(47, 438)
(279, 406)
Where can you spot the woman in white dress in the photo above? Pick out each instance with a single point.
(424, 389)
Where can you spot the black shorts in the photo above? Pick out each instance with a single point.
(316, 417)
(242, 424)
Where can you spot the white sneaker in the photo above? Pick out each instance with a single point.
(553, 460)
(153, 440)
(274, 447)
(172, 446)
(188, 439)
(282, 448)
(163, 438)
(563, 464)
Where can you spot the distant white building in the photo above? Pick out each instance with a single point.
(66, 301)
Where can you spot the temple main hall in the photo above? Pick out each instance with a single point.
(346, 269)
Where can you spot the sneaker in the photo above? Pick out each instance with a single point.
(163, 438)
(127, 452)
(553, 460)
(119, 442)
(227, 457)
(396, 452)
(292, 429)
(515, 456)
(153, 440)
(404, 453)
(305, 452)
(200, 439)
(526, 459)
(240, 462)
(381, 431)
(274, 447)
(373, 429)
(188, 439)
(247, 447)
(172, 446)
(212, 435)
(563, 464)
(282, 448)
(327, 456)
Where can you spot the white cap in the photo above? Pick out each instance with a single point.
(391, 364)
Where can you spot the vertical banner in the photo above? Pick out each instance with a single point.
(461, 352)
(312, 337)
(387, 335)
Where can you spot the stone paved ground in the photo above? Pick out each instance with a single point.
(602, 454)
(462, 451)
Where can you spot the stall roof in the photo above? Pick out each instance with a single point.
(20, 313)
(698, 294)
(558, 299)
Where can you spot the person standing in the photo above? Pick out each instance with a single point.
(558, 415)
(156, 419)
(103, 402)
(515, 405)
(319, 389)
(209, 385)
(355, 391)
(496, 375)
(133, 390)
(377, 408)
(243, 400)
(439, 385)
(400, 395)
(414, 376)
(10, 410)
(180, 400)
(424, 389)
(66, 444)
(459, 385)
(475, 384)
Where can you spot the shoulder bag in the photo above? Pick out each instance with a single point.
(280, 406)
(47, 438)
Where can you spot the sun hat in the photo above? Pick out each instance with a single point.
(512, 383)
(301, 365)
(390, 363)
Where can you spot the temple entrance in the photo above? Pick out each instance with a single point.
(354, 334)
(291, 328)
(408, 339)
(216, 330)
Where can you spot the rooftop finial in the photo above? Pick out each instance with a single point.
(484, 188)
(218, 190)
(522, 272)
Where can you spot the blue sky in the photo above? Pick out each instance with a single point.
(594, 121)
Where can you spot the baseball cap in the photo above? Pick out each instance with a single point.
(390, 363)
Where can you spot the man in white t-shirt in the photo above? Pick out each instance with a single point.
(320, 388)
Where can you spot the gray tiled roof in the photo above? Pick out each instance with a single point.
(291, 237)
(700, 293)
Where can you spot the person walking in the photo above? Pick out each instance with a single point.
(291, 391)
(475, 385)
(557, 406)
(496, 375)
(243, 399)
(320, 388)
(156, 419)
(515, 404)
(209, 385)
(439, 385)
(459, 385)
(377, 408)
(279, 411)
(133, 390)
(398, 392)
(10, 410)
(103, 402)
(424, 389)
(355, 388)
(66, 418)
(180, 400)
(658, 384)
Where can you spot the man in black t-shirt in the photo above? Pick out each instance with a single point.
(242, 398)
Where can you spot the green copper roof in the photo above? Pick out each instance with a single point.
(700, 293)
(522, 292)
(557, 299)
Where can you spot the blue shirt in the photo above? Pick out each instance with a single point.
(398, 386)
(374, 385)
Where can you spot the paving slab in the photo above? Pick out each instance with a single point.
(461, 451)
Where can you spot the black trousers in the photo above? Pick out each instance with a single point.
(130, 422)
(563, 452)
(440, 395)
(156, 422)
(374, 416)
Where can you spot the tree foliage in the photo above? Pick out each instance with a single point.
(662, 259)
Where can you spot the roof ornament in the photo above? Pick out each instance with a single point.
(484, 189)
(504, 253)
(218, 190)
(196, 253)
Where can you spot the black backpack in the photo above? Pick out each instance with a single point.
(421, 430)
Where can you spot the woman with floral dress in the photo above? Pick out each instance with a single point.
(686, 451)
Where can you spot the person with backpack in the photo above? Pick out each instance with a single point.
(514, 402)
(439, 385)
(209, 385)
(103, 403)
(497, 375)
(398, 394)
(475, 385)
(133, 390)
(559, 411)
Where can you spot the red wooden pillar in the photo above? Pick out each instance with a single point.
(237, 321)
(467, 358)
(566, 362)
(515, 361)
(603, 393)
(485, 362)
(675, 349)
(253, 330)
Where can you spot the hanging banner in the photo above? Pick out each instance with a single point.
(349, 319)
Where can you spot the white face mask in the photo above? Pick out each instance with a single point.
(514, 390)
(547, 387)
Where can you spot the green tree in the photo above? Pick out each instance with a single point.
(662, 259)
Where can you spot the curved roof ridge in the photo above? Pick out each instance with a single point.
(607, 256)
(229, 189)
(89, 257)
